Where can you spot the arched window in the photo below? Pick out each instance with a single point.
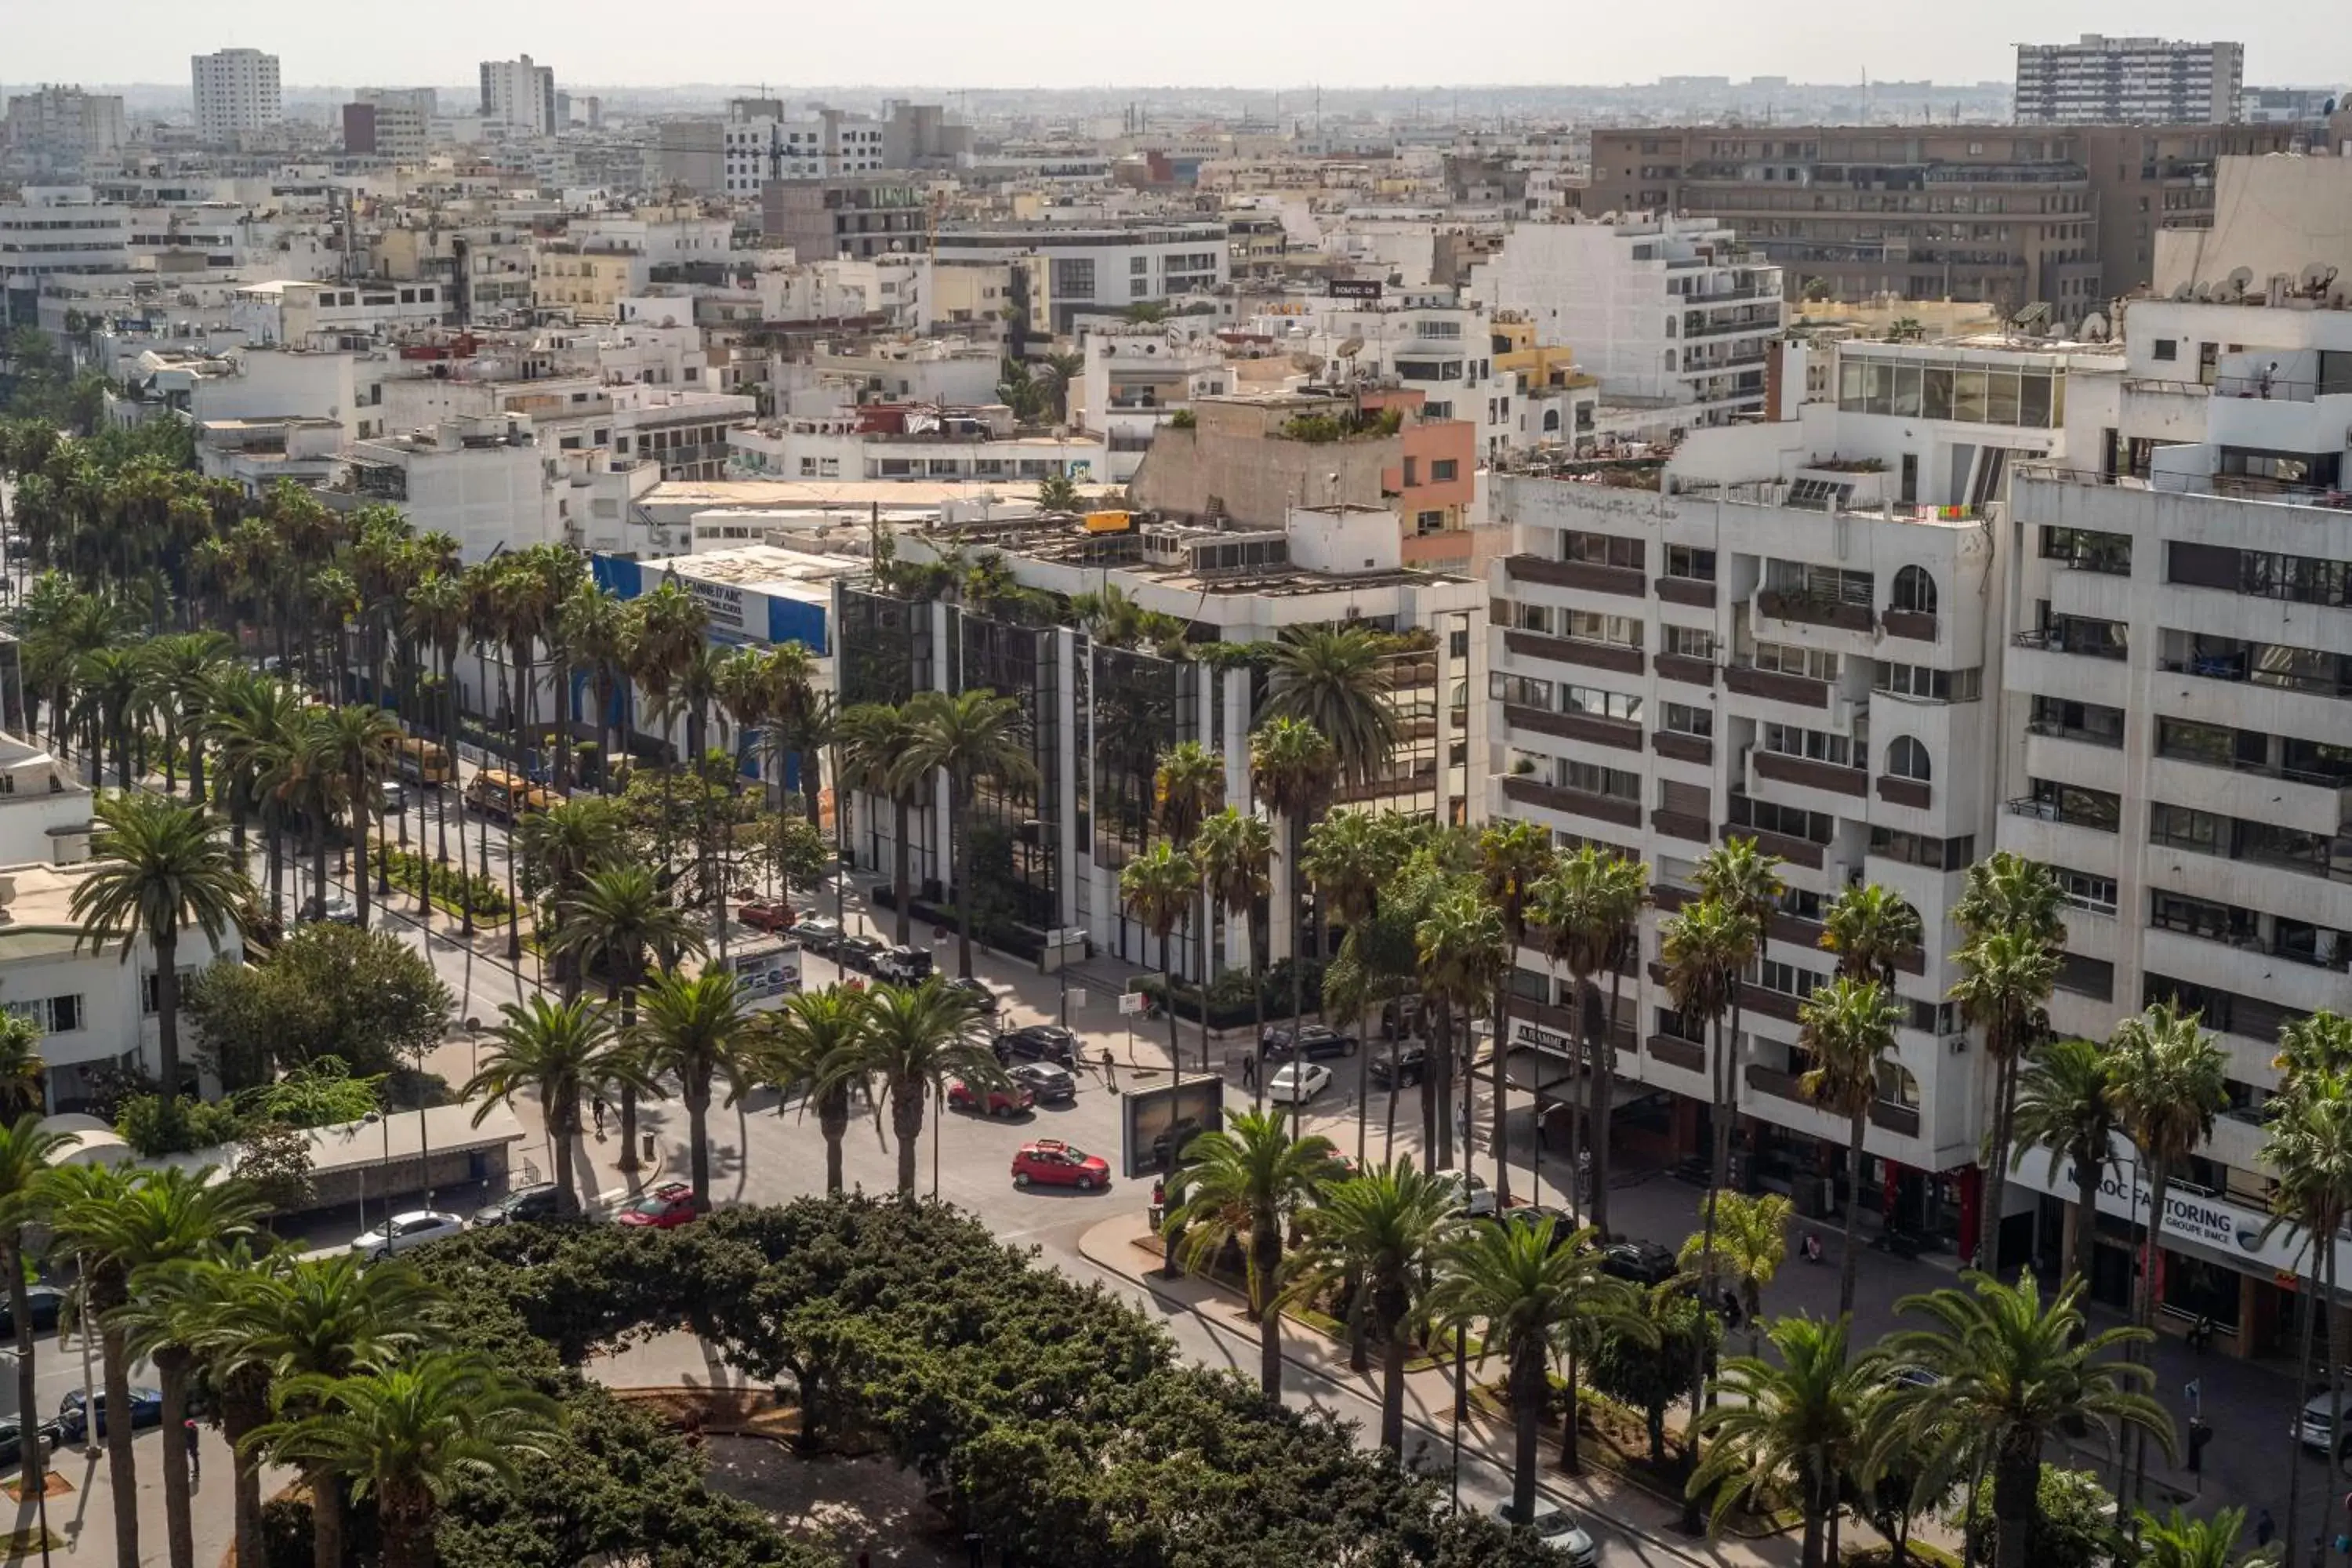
(1914, 590)
(1907, 759)
(1551, 421)
(1896, 1086)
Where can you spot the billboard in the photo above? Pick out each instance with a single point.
(1154, 1124)
(1356, 289)
(766, 974)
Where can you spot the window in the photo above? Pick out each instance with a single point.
(2168, 349)
(1597, 548)
(1586, 625)
(1687, 642)
(2054, 800)
(53, 1014)
(1681, 720)
(1788, 659)
(2214, 744)
(1914, 591)
(1813, 745)
(1593, 779)
(2092, 977)
(1686, 561)
(1923, 684)
(1443, 470)
(2179, 828)
(1788, 821)
(2086, 891)
(1907, 758)
(1931, 1017)
(1922, 850)
(1824, 584)
(1788, 979)
(1600, 704)
(1520, 689)
(2089, 549)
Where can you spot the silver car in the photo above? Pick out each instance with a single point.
(403, 1231)
(1557, 1528)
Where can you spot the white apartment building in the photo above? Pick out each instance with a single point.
(972, 446)
(303, 314)
(664, 235)
(759, 144)
(63, 127)
(45, 811)
(2129, 81)
(1429, 339)
(1793, 636)
(485, 482)
(1101, 266)
(236, 91)
(520, 95)
(55, 230)
(1137, 378)
(1673, 314)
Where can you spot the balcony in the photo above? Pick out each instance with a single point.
(1630, 580)
(1677, 1052)
(1912, 624)
(1914, 793)
(1699, 592)
(1813, 610)
(2061, 811)
(1801, 690)
(1573, 801)
(1667, 896)
(1574, 650)
(1678, 825)
(1780, 1085)
(1682, 748)
(1682, 666)
(1901, 1120)
(1804, 771)
(1771, 1004)
(2081, 639)
(1796, 851)
(1622, 734)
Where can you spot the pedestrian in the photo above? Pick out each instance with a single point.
(2264, 1528)
(2201, 1334)
(194, 1462)
(1249, 1071)
(597, 1103)
(1111, 1069)
(1731, 1315)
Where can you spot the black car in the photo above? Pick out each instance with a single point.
(1407, 1064)
(857, 952)
(12, 1442)
(1315, 1041)
(1038, 1043)
(536, 1200)
(1643, 1262)
(980, 995)
(47, 1303)
(1532, 1215)
(1051, 1083)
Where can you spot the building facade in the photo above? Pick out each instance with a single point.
(861, 217)
(521, 95)
(2129, 81)
(1102, 268)
(63, 128)
(236, 91)
(759, 144)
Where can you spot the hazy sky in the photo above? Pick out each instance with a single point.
(1066, 43)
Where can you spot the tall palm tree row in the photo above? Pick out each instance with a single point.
(2014, 934)
(966, 739)
(1849, 1027)
(2307, 1140)
(1513, 858)
(1589, 910)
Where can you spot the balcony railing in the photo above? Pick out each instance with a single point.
(2240, 668)
(2056, 640)
(2057, 811)
(2051, 729)
(1813, 610)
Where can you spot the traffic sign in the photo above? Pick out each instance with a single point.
(1133, 1002)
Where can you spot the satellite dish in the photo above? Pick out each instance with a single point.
(2182, 292)
(1352, 348)
(2095, 328)
(2204, 291)
(2317, 277)
(2241, 279)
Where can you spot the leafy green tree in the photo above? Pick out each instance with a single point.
(366, 999)
(917, 1039)
(2063, 1107)
(24, 1072)
(2011, 1372)
(697, 1029)
(1849, 1027)
(1650, 1371)
(2072, 1524)
(970, 736)
(320, 1092)
(1243, 1186)
(162, 868)
(1799, 1419)
(551, 1051)
(1751, 1243)
(2177, 1540)
(816, 1044)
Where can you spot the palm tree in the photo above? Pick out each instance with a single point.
(968, 737)
(24, 1152)
(1292, 765)
(1798, 1420)
(24, 1072)
(877, 741)
(1055, 373)
(2063, 1106)
(183, 669)
(1749, 1244)
(121, 1225)
(560, 847)
(619, 918)
(1236, 854)
(817, 1042)
(1380, 1233)
(1349, 858)
(696, 1029)
(2006, 978)
(356, 742)
(1737, 875)
(1336, 681)
(1464, 954)
(1158, 888)
(1849, 1027)
(916, 1039)
(407, 1432)
(1513, 856)
(1187, 785)
(162, 868)
(1871, 929)
(1589, 908)
(2177, 1540)
(2008, 1373)
(592, 626)
(1249, 1181)
(112, 687)
(258, 724)
(2308, 1143)
(551, 1051)
(1532, 1291)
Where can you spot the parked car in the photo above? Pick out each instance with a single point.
(1296, 1083)
(146, 1410)
(1169, 1143)
(536, 1200)
(857, 953)
(1050, 1163)
(666, 1207)
(817, 934)
(1643, 1262)
(391, 797)
(1038, 1043)
(1317, 1042)
(902, 966)
(1557, 1528)
(1532, 1215)
(335, 908)
(403, 1231)
(1473, 1199)
(12, 1440)
(45, 1304)
(1051, 1083)
(1010, 1100)
(1408, 1064)
(980, 995)
(761, 914)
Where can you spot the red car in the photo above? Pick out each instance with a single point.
(1050, 1163)
(669, 1205)
(1009, 1100)
(761, 915)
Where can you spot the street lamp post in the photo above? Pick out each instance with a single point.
(1461, 1367)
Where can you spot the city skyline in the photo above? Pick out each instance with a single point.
(1239, 48)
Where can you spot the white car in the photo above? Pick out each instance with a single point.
(1296, 1083)
(405, 1231)
(1473, 1198)
(1561, 1536)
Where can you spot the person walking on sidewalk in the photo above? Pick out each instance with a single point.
(597, 1103)
(196, 1463)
